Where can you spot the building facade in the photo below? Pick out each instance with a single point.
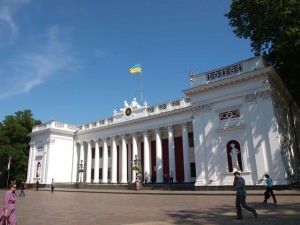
(229, 119)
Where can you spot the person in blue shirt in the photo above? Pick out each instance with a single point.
(269, 189)
(239, 186)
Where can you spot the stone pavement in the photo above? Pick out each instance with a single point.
(151, 207)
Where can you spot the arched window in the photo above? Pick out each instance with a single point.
(234, 158)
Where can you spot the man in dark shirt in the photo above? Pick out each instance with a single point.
(239, 186)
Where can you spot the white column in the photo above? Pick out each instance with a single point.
(159, 159)
(44, 165)
(134, 155)
(124, 161)
(32, 170)
(96, 167)
(186, 154)
(75, 164)
(114, 161)
(30, 160)
(129, 157)
(89, 163)
(172, 167)
(105, 161)
(147, 156)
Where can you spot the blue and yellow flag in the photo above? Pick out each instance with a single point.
(135, 69)
(8, 165)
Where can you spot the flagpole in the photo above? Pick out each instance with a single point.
(141, 88)
(8, 169)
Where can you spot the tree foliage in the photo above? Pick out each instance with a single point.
(14, 143)
(273, 26)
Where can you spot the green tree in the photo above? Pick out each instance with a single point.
(273, 26)
(14, 143)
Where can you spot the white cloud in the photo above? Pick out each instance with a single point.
(7, 10)
(31, 68)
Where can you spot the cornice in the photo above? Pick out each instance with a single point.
(51, 131)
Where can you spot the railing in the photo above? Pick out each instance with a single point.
(156, 109)
(56, 125)
(227, 71)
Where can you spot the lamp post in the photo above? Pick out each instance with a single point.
(135, 163)
(81, 170)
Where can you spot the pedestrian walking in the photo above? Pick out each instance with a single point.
(171, 178)
(137, 183)
(239, 186)
(8, 211)
(22, 193)
(52, 185)
(146, 178)
(37, 185)
(269, 189)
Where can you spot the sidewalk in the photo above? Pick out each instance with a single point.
(68, 206)
(293, 192)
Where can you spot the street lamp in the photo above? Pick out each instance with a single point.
(81, 170)
(135, 163)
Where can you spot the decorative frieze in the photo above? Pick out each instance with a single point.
(229, 114)
(224, 72)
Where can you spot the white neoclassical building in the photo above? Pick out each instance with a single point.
(233, 118)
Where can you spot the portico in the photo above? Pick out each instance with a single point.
(109, 159)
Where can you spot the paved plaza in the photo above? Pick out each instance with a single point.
(151, 207)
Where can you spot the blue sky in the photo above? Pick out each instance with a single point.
(68, 60)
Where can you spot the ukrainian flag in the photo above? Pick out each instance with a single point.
(135, 69)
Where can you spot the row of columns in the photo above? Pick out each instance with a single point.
(124, 161)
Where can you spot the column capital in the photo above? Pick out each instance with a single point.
(157, 130)
(184, 125)
(123, 136)
(134, 134)
(170, 128)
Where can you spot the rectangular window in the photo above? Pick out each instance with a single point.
(92, 174)
(100, 173)
(193, 169)
(109, 173)
(93, 153)
(101, 152)
(109, 150)
(191, 139)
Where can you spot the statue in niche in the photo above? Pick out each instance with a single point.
(233, 150)
(38, 170)
(234, 157)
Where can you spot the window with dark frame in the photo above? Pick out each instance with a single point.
(191, 139)
(101, 152)
(93, 153)
(193, 169)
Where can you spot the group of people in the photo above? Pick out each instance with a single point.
(8, 210)
(239, 186)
